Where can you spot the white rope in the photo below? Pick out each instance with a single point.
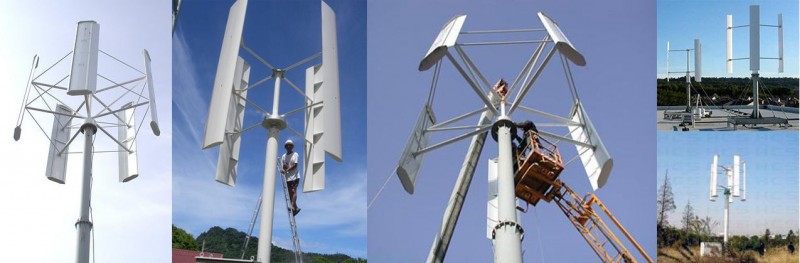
(767, 91)
(375, 197)
(538, 235)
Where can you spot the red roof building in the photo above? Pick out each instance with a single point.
(187, 256)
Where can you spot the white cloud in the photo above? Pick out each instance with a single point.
(189, 102)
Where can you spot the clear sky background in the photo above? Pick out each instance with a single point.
(282, 32)
(616, 38)
(131, 220)
(682, 21)
(771, 178)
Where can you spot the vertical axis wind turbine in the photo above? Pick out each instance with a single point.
(83, 85)
(730, 189)
(322, 124)
(504, 228)
(755, 50)
(698, 69)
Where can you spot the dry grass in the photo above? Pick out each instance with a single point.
(780, 255)
(671, 255)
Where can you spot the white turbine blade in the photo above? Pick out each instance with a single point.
(667, 60)
(57, 163)
(228, 159)
(314, 152)
(713, 181)
(744, 181)
(332, 138)
(729, 46)
(224, 79)
(698, 61)
(18, 129)
(126, 132)
(736, 175)
(596, 160)
(562, 42)
(409, 165)
(445, 39)
(83, 77)
(780, 43)
(755, 38)
(152, 97)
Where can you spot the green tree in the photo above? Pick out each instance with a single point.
(182, 240)
(665, 200)
(706, 226)
(689, 217)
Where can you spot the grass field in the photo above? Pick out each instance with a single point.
(669, 254)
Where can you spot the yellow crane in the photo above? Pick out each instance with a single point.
(539, 165)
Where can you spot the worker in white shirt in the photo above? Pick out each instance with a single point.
(289, 168)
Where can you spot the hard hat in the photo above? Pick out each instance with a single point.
(289, 142)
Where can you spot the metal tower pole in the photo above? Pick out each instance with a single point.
(688, 85)
(756, 113)
(508, 248)
(274, 124)
(453, 211)
(84, 223)
(268, 202)
(726, 217)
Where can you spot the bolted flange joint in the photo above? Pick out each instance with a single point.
(87, 222)
(89, 124)
(278, 73)
(274, 122)
(503, 122)
(518, 227)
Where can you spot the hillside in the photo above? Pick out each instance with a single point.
(229, 242)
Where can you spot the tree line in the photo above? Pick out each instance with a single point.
(229, 242)
(728, 91)
(695, 228)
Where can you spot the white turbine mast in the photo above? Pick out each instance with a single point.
(735, 186)
(698, 69)
(755, 62)
(504, 227)
(322, 123)
(82, 85)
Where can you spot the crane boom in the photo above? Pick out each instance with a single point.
(540, 164)
(584, 217)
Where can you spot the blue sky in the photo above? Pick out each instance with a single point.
(332, 221)
(131, 220)
(682, 21)
(616, 38)
(772, 180)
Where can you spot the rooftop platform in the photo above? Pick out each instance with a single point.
(730, 118)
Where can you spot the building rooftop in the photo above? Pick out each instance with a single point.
(188, 256)
(774, 118)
